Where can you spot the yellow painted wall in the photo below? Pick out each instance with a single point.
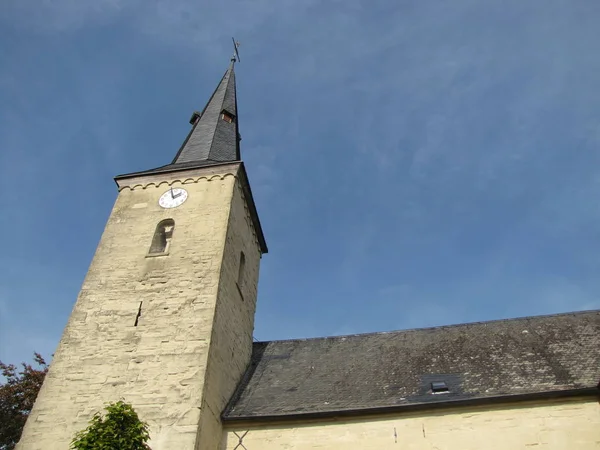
(164, 366)
(549, 424)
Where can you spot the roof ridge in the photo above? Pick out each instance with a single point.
(456, 325)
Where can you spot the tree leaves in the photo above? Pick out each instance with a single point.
(17, 396)
(119, 429)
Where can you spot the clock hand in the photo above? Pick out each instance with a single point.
(172, 196)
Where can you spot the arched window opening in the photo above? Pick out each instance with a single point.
(241, 270)
(162, 237)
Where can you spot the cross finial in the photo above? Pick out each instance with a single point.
(236, 56)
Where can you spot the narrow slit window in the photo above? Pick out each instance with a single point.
(241, 270)
(227, 116)
(162, 237)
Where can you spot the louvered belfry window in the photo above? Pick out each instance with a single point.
(227, 116)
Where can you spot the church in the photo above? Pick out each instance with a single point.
(165, 318)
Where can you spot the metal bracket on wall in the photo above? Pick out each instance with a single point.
(240, 443)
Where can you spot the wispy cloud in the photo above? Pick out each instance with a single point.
(414, 163)
(43, 16)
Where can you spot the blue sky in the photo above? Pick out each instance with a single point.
(414, 163)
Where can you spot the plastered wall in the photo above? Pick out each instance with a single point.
(556, 425)
(160, 365)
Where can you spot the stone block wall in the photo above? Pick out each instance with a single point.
(160, 364)
(233, 324)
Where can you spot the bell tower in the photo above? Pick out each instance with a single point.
(165, 316)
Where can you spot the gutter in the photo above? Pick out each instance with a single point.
(355, 412)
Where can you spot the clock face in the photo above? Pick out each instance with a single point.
(173, 198)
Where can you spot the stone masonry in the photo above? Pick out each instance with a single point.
(180, 363)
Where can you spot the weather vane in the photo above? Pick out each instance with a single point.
(236, 55)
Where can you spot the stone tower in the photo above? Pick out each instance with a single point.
(165, 316)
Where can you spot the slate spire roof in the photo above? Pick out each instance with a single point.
(215, 135)
(214, 138)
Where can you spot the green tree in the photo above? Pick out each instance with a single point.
(119, 429)
(17, 396)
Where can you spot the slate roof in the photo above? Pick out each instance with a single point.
(485, 360)
(212, 138)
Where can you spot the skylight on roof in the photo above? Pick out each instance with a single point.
(439, 387)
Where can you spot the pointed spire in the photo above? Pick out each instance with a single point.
(213, 140)
(215, 135)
